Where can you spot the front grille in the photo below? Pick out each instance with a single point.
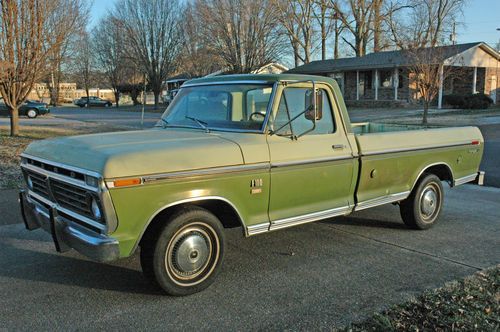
(40, 184)
(71, 197)
(68, 196)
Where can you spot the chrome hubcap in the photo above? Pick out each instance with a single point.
(192, 254)
(429, 201)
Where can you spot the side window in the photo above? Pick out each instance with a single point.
(292, 103)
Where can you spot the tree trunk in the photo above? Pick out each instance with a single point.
(426, 110)
(157, 98)
(14, 122)
(336, 41)
(88, 97)
(117, 98)
(295, 53)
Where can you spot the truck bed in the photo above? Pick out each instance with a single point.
(393, 156)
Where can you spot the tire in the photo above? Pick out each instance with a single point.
(32, 113)
(422, 208)
(186, 255)
(107, 105)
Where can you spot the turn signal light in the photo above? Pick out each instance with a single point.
(476, 142)
(127, 182)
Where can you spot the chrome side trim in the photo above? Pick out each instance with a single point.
(59, 177)
(309, 161)
(382, 200)
(71, 168)
(257, 229)
(298, 220)
(227, 82)
(68, 212)
(465, 179)
(200, 172)
(187, 200)
(371, 153)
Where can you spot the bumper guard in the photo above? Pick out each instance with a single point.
(67, 234)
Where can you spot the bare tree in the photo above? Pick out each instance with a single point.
(357, 16)
(67, 20)
(297, 18)
(84, 61)
(244, 34)
(424, 22)
(24, 44)
(197, 57)
(325, 22)
(110, 52)
(153, 36)
(428, 73)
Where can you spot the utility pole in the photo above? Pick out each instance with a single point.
(143, 102)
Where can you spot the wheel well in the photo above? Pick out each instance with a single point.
(226, 213)
(442, 171)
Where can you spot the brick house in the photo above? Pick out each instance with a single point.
(385, 78)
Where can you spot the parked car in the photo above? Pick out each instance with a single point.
(93, 101)
(29, 108)
(260, 152)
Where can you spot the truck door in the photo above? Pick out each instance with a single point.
(311, 176)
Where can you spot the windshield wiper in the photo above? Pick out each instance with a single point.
(165, 122)
(200, 123)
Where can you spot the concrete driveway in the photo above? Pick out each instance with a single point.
(315, 276)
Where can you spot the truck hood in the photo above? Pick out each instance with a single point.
(135, 153)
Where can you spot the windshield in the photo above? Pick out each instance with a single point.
(224, 106)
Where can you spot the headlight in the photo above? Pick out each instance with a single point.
(91, 181)
(96, 210)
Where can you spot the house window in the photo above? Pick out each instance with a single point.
(385, 79)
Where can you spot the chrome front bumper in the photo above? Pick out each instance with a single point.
(67, 234)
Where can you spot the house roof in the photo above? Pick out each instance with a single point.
(386, 59)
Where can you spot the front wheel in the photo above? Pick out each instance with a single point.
(186, 255)
(422, 208)
(32, 114)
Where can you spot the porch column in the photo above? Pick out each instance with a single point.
(376, 84)
(440, 96)
(395, 80)
(474, 80)
(357, 84)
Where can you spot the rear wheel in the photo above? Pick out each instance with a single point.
(186, 255)
(32, 113)
(422, 208)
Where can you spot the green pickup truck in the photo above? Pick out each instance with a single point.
(259, 152)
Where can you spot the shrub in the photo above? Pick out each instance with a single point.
(470, 101)
(457, 101)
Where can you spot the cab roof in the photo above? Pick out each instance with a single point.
(271, 78)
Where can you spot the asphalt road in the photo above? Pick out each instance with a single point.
(312, 277)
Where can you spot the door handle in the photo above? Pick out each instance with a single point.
(338, 146)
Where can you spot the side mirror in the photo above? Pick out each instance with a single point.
(311, 113)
